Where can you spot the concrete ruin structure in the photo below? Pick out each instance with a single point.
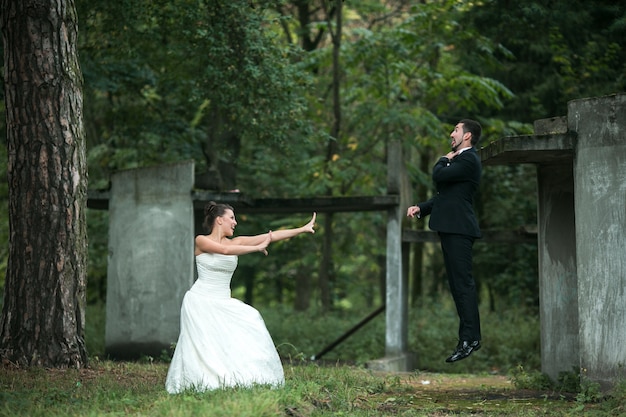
(581, 175)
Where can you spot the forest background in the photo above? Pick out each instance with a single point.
(300, 98)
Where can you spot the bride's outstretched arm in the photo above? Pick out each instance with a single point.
(277, 235)
(204, 244)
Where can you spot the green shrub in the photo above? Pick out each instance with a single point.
(533, 379)
(510, 339)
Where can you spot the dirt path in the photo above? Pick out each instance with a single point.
(476, 395)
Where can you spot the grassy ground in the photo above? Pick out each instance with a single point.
(502, 379)
(137, 389)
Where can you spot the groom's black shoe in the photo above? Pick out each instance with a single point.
(463, 350)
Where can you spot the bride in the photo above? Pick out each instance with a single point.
(223, 342)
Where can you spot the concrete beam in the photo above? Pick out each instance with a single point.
(99, 200)
(529, 149)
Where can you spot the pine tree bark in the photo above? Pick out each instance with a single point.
(42, 321)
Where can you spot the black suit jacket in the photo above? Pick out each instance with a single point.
(452, 208)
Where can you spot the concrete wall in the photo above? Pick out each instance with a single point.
(150, 262)
(558, 292)
(600, 208)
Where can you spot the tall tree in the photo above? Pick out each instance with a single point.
(43, 313)
(326, 275)
(400, 77)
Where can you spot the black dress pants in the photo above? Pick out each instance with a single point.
(457, 255)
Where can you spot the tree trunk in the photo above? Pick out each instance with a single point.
(327, 267)
(42, 320)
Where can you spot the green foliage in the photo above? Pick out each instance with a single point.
(556, 51)
(166, 80)
(210, 81)
(403, 78)
(569, 381)
(506, 201)
(95, 323)
(358, 273)
(510, 339)
(589, 391)
(616, 402)
(305, 334)
(534, 379)
(400, 80)
(97, 230)
(214, 81)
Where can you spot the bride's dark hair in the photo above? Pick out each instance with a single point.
(212, 211)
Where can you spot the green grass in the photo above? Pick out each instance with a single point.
(133, 389)
(502, 379)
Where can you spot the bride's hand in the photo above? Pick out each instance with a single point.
(266, 243)
(309, 227)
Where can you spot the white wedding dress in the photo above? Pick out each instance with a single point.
(223, 342)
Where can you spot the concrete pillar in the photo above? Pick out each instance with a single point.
(397, 291)
(556, 244)
(397, 358)
(150, 263)
(600, 207)
(558, 293)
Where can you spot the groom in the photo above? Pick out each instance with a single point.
(457, 177)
